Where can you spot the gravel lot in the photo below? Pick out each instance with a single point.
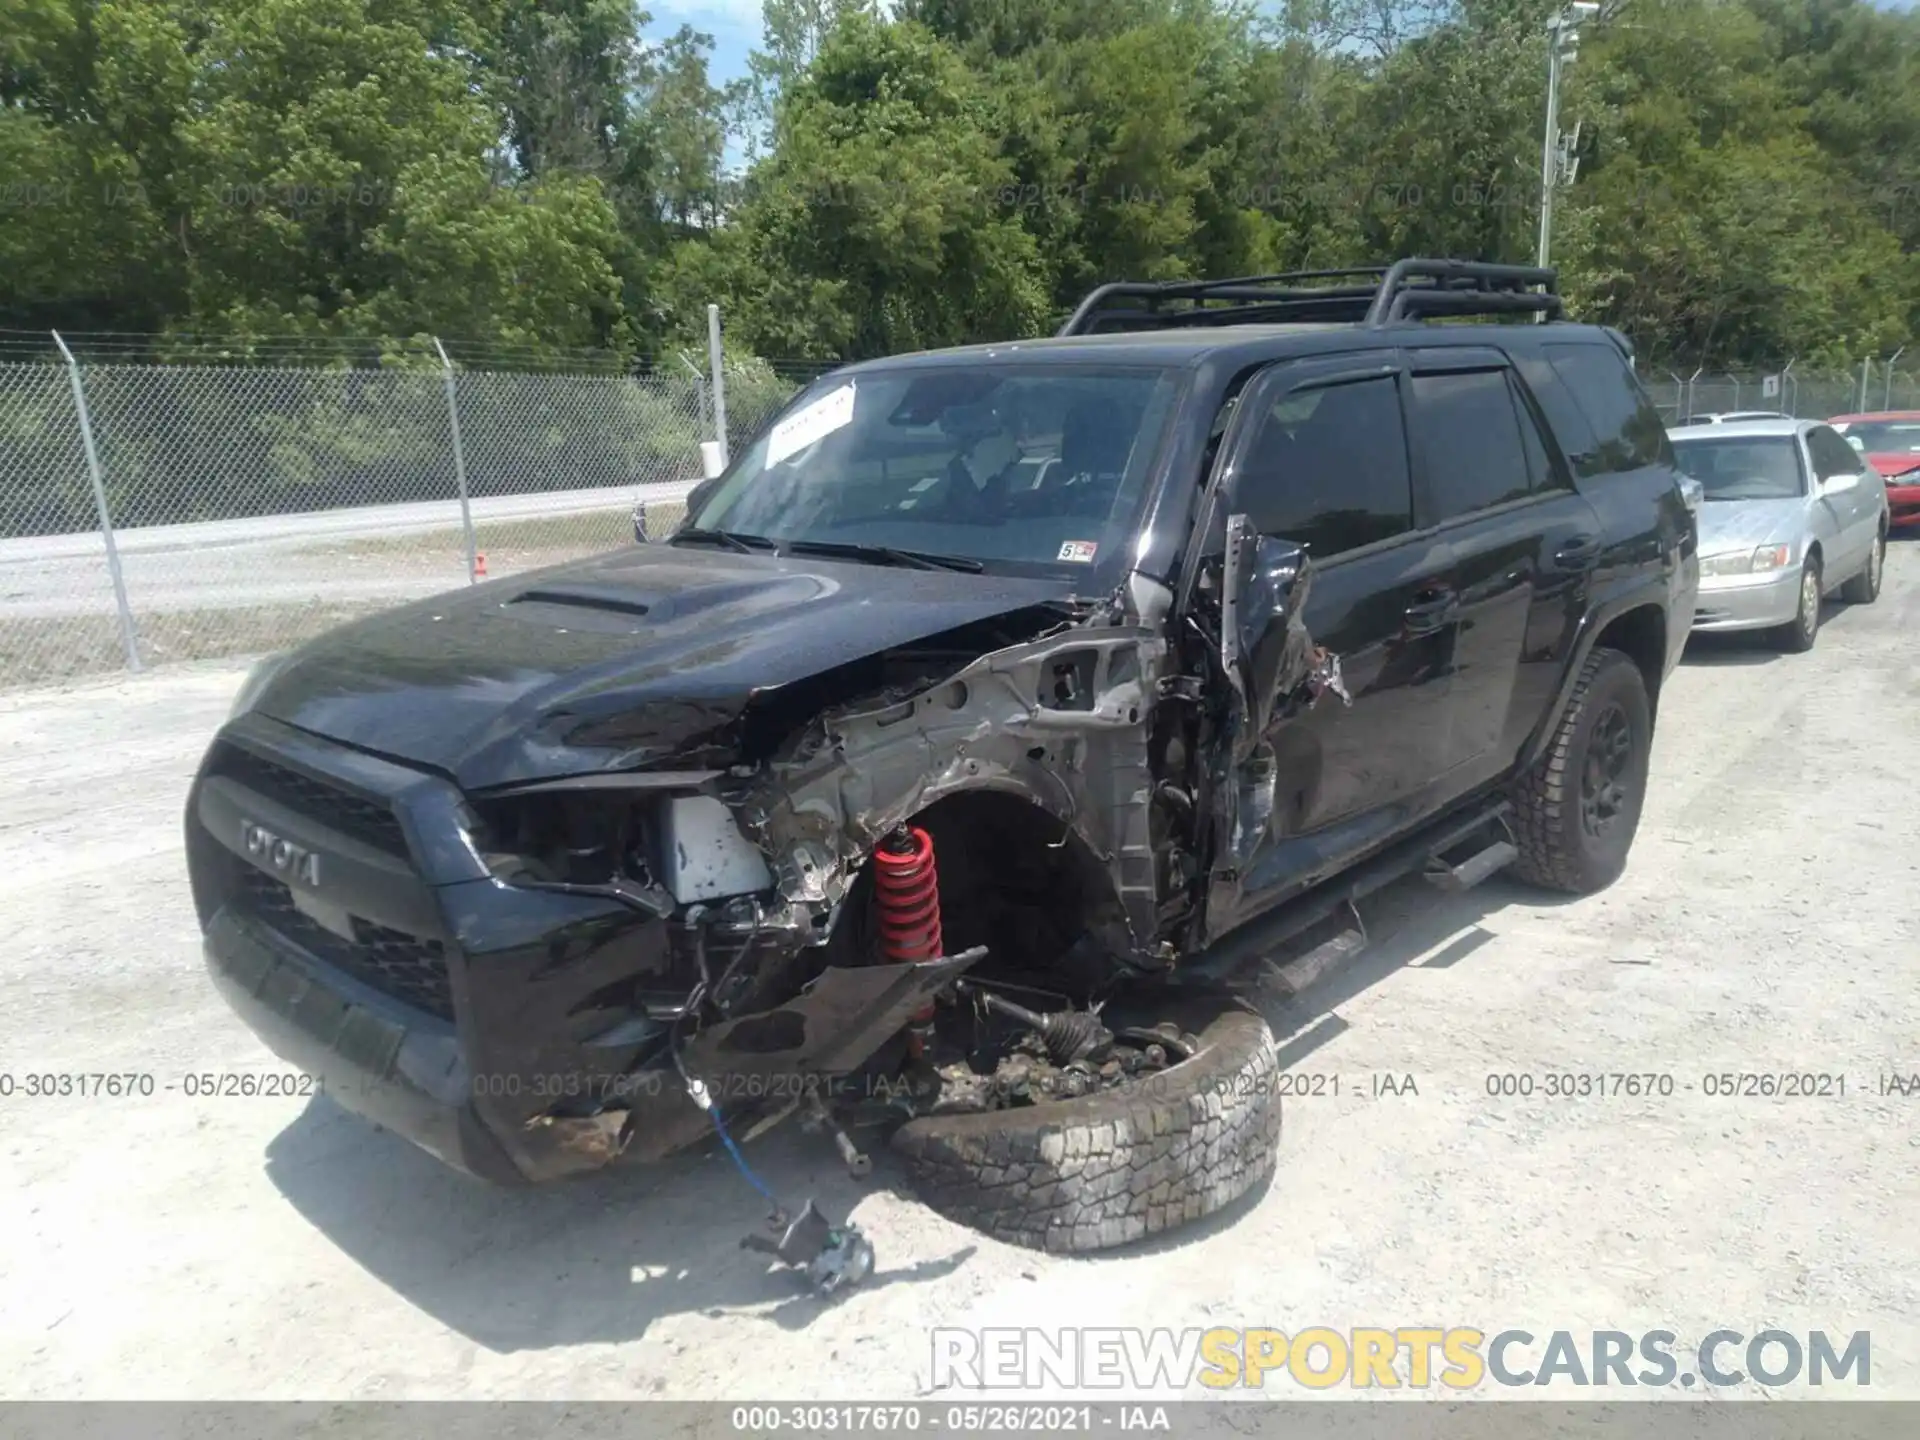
(177, 1248)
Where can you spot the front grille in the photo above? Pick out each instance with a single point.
(410, 968)
(341, 810)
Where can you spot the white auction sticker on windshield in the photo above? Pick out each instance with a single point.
(1080, 552)
(813, 423)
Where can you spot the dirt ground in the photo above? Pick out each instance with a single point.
(168, 1247)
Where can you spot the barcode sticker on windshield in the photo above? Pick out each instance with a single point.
(1080, 552)
(811, 424)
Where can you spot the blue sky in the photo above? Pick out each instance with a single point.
(734, 25)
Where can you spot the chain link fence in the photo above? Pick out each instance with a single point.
(154, 512)
(1802, 392)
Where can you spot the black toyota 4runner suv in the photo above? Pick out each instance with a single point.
(993, 725)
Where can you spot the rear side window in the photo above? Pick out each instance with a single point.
(1831, 455)
(1619, 429)
(1470, 441)
(1327, 468)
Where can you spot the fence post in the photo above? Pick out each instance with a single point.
(719, 381)
(459, 460)
(128, 637)
(1886, 400)
(699, 385)
(1866, 371)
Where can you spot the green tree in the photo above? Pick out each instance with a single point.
(1708, 221)
(874, 226)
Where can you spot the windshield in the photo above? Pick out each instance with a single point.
(1027, 469)
(1767, 468)
(1885, 437)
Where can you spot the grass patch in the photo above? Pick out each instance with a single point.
(41, 650)
(586, 533)
(47, 650)
(591, 529)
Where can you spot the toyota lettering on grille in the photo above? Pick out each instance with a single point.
(296, 862)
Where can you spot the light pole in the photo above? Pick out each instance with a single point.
(1563, 36)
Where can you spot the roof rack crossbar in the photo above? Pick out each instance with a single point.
(1392, 294)
(1331, 307)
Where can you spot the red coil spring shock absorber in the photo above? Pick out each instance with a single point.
(906, 888)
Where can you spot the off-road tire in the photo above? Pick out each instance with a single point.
(1796, 637)
(1071, 1176)
(1557, 851)
(1864, 588)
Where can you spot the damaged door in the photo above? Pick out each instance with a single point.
(1319, 457)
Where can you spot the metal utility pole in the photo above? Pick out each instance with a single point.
(129, 638)
(1563, 35)
(459, 463)
(715, 358)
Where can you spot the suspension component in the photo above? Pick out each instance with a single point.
(906, 887)
(1068, 1035)
(907, 890)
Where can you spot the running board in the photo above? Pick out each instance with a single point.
(1297, 974)
(1475, 868)
(1241, 950)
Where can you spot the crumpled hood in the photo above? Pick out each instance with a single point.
(614, 662)
(1747, 524)
(1896, 462)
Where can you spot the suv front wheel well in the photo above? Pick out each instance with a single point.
(1015, 879)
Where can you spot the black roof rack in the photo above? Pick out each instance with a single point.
(1367, 295)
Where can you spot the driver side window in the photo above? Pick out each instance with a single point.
(1327, 468)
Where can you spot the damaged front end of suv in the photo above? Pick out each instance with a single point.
(1025, 772)
(854, 799)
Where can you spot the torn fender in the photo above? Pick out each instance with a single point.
(1061, 721)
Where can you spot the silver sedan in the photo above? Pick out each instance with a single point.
(1789, 513)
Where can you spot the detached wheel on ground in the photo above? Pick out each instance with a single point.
(1864, 588)
(1575, 813)
(1796, 637)
(1118, 1165)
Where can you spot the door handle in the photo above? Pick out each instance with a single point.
(1430, 611)
(1577, 553)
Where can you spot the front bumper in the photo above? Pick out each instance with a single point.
(496, 1027)
(1747, 602)
(1903, 505)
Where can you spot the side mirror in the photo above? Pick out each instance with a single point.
(1264, 648)
(1835, 484)
(1693, 492)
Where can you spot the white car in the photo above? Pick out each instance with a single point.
(1789, 513)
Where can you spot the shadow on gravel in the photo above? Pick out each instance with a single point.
(1752, 647)
(1739, 648)
(1410, 920)
(592, 1261)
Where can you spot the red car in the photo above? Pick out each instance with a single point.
(1890, 440)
